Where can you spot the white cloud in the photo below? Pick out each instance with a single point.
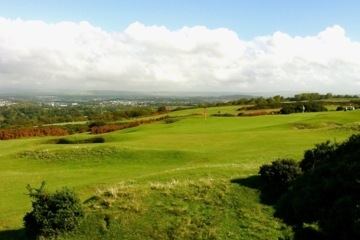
(67, 55)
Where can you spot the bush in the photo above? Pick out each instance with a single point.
(223, 115)
(252, 114)
(97, 124)
(298, 107)
(171, 120)
(318, 155)
(340, 108)
(52, 212)
(329, 194)
(277, 177)
(161, 109)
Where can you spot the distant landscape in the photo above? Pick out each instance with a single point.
(179, 120)
(154, 166)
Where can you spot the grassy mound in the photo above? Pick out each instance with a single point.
(189, 209)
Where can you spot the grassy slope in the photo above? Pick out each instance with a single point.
(190, 149)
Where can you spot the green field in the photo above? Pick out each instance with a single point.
(168, 179)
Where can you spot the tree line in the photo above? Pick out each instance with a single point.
(317, 96)
(25, 114)
(26, 119)
(31, 114)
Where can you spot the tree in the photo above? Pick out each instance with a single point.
(328, 96)
(328, 193)
(298, 107)
(52, 212)
(161, 109)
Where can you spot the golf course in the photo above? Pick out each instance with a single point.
(190, 176)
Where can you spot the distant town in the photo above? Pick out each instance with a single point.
(120, 98)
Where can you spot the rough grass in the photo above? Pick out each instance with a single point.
(188, 209)
(195, 148)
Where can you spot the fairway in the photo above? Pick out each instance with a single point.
(188, 149)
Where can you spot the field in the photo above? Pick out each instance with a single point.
(188, 178)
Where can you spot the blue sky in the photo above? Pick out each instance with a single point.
(247, 18)
(188, 45)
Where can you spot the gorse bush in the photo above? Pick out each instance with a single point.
(280, 172)
(277, 177)
(52, 212)
(318, 155)
(328, 193)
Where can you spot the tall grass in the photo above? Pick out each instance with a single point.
(188, 209)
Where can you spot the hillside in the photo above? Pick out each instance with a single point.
(177, 179)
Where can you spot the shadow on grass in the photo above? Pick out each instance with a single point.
(19, 234)
(270, 196)
(82, 141)
(253, 182)
(267, 196)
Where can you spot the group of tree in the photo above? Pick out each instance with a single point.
(116, 115)
(259, 101)
(323, 189)
(298, 107)
(31, 114)
(279, 101)
(317, 96)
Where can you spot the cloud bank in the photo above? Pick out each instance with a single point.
(66, 55)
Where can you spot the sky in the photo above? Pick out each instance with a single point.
(233, 46)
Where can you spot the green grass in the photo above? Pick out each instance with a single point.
(188, 209)
(193, 150)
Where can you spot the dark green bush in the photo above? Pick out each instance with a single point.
(94, 140)
(280, 172)
(328, 194)
(97, 124)
(298, 107)
(340, 108)
(63, 141)
(223, 115)
(277, 177)
(52, 212)
(161, 109)
(318, 155)
(171, 120)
